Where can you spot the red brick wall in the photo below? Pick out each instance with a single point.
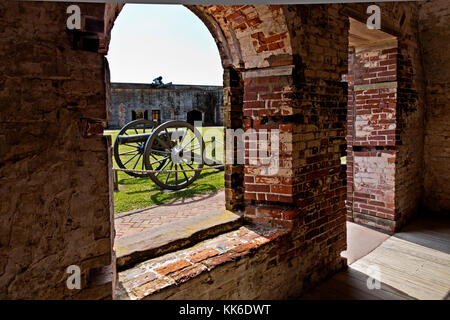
(371, 127)
(374, 66)
(375, 121)
(374, 183)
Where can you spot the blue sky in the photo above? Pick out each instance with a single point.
(168, 40)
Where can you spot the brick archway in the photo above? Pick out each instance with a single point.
(247, 36)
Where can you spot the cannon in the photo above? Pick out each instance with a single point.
(172, 152)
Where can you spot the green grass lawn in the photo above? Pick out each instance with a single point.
(136, 193)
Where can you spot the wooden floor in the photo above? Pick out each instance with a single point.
(412, 264)
(418, 271)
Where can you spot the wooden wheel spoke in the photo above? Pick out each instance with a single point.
(128, 152)
(188, 165)
(160, 160)
(192, 149)
(137, 161)
(130, 145)
(176, 175)
(130, 159)
(181, 166)
(189, 142)
(168, 173)
(162, 169)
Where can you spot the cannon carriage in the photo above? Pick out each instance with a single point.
(171, 154)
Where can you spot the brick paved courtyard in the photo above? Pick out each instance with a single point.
(128, 223)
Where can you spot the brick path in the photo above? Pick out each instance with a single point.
(128, 223)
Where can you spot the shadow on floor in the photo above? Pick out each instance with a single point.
(431, 231)
(350, 284)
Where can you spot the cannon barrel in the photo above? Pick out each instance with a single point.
(141, 137)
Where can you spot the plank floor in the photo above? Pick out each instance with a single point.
(418, 271)
(412, 264)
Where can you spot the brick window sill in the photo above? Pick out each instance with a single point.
(172, 269)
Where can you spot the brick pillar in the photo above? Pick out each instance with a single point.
(307, 102)
(234, 172)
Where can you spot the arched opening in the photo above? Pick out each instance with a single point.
(146, 205)
(194, 116)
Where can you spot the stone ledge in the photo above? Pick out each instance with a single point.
(175, 268)
(173, 236)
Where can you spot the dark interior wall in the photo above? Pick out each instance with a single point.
(434, 26)
(411, 106)
(54, 192)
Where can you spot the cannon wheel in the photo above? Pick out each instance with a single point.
(130, 155)
(182, 151)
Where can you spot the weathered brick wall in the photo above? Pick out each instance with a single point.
(307, 104)
(374, 185)
(55, 197)
(375, 105)
(375, 117)
(281, 269)
(256, 35)
(375, 65)
(434, 26)
(266, 97)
